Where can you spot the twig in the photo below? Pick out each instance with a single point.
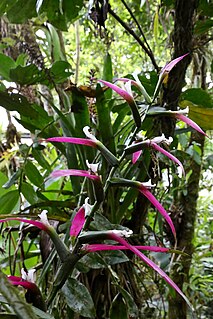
(127, 28)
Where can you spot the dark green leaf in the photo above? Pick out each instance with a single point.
(37, 154)
(8, 201)
(29, 193)
(17, 102)
(21, 11)
(52, 9)
(202, 26)
(205, 8)
(72, 9)
(118, 308)
(78, 298)
(33, 174)
(60, 71)
(6, 64)
(27, 75)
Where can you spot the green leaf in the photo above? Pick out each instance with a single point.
(33, 174)
(29, 193)
(198, 97)
(15, 300)
(3, 181)
(60, 71)
(55, 16)
(156, 28)
(21, 11)
(6, 64)
(118, 308)
(107, 73)
(78, 298)
(27, 75)
(12, 179)
(72, 9)
(202, 26)
(8, 201)
(38, 156)
(17, 102)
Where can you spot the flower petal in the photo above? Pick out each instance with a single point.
(169, 155)
(168, 67)
(159, 207)
(128, 97)
(151, 264)
(78, 222)
(135, 156)
(74, 172)
(72, 140)
(189, 122)
(101, 247)
(36, 223)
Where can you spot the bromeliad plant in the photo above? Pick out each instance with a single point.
(108, 169)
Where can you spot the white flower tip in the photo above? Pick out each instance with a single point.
(123, 233)
(148, 184)
(87, 207)
(162, 138)
(30, 276)
(86, 131)
(43, 217)
(92, 167)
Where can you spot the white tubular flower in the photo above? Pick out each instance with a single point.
(148, 184)
(43, 217)
(86, 131)
(92, 167)
(30, 276)
(87, 207)
(162, 138)
(122, 233)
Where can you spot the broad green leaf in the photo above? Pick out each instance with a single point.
(27, 75)
(33, 174)
(60, 71)
(72, 9)
(17, 102)
(41, 314)
(118, 308)
(21, 11)
(198, 97)
(78, 298)
(29, 193)
(6, 64)
(13, 298)
(55, 16)
(8, 201)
